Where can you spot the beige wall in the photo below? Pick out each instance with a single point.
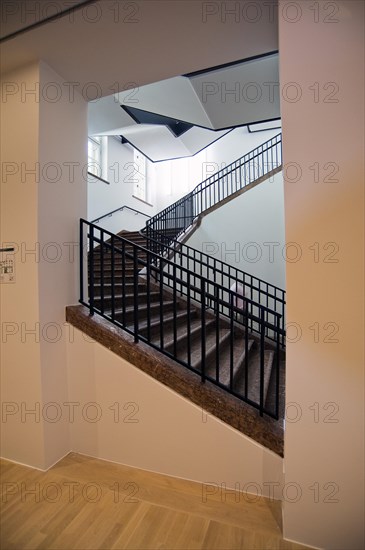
(39, 214)
(324, 452)
(62, 140)
(20, 353)
(157, 429)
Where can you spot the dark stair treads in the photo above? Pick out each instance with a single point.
(118, 288)
(238, 363)
(155, 324)
(181, 345)
(253, 390)
(119, 277)
(210, 348)
(126, 300)
(155, 309)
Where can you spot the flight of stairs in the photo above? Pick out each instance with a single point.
(166, 321)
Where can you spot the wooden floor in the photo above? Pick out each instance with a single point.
(84, 503)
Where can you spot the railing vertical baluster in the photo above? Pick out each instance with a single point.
(232, 301)
(101, 253)
(217, 327)
(203, 341)
(188, 317)
(135, 287)
(112, 267)
(267, 304)
(175, 309)
(283, 318)
(262, 359)
(161, 306)
(81, 260)
(148, 291)
(124, 278)
(277, 381)
(246, 350)
(91, 269)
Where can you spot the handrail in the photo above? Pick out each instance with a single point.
(117, 210)
(209, 299)
(176, 218)
(98, 178)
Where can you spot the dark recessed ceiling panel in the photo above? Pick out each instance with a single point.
(177, 127)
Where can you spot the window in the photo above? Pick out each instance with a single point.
(94, 156)
(140, 176)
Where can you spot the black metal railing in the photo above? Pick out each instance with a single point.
(176, 218)
(182, 313)
(99, 178)
(246, 285)
(109, 214)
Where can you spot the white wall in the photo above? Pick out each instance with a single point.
(324, 447)
(39, 214)
(142, 423)
(248, 232)
(167, 181)
(120, 173)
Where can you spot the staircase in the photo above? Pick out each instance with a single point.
(226, 184)
(183, 304)
(127, 286)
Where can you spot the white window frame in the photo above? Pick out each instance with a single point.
(94, 156)
(140, 188)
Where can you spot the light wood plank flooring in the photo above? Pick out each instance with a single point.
(85, 503)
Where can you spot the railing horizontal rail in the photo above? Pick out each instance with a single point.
(108, 214)
(91, 175)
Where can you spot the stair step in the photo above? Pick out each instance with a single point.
(118, 266)
(155, 324)
(107, 256)
(118, 288)
(238, 365)
(210, 349)
(142, 311)
(182, 338)
(253, 390)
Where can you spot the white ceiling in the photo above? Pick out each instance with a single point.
(187, 99)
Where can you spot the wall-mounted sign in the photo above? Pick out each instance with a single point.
(7, 265)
